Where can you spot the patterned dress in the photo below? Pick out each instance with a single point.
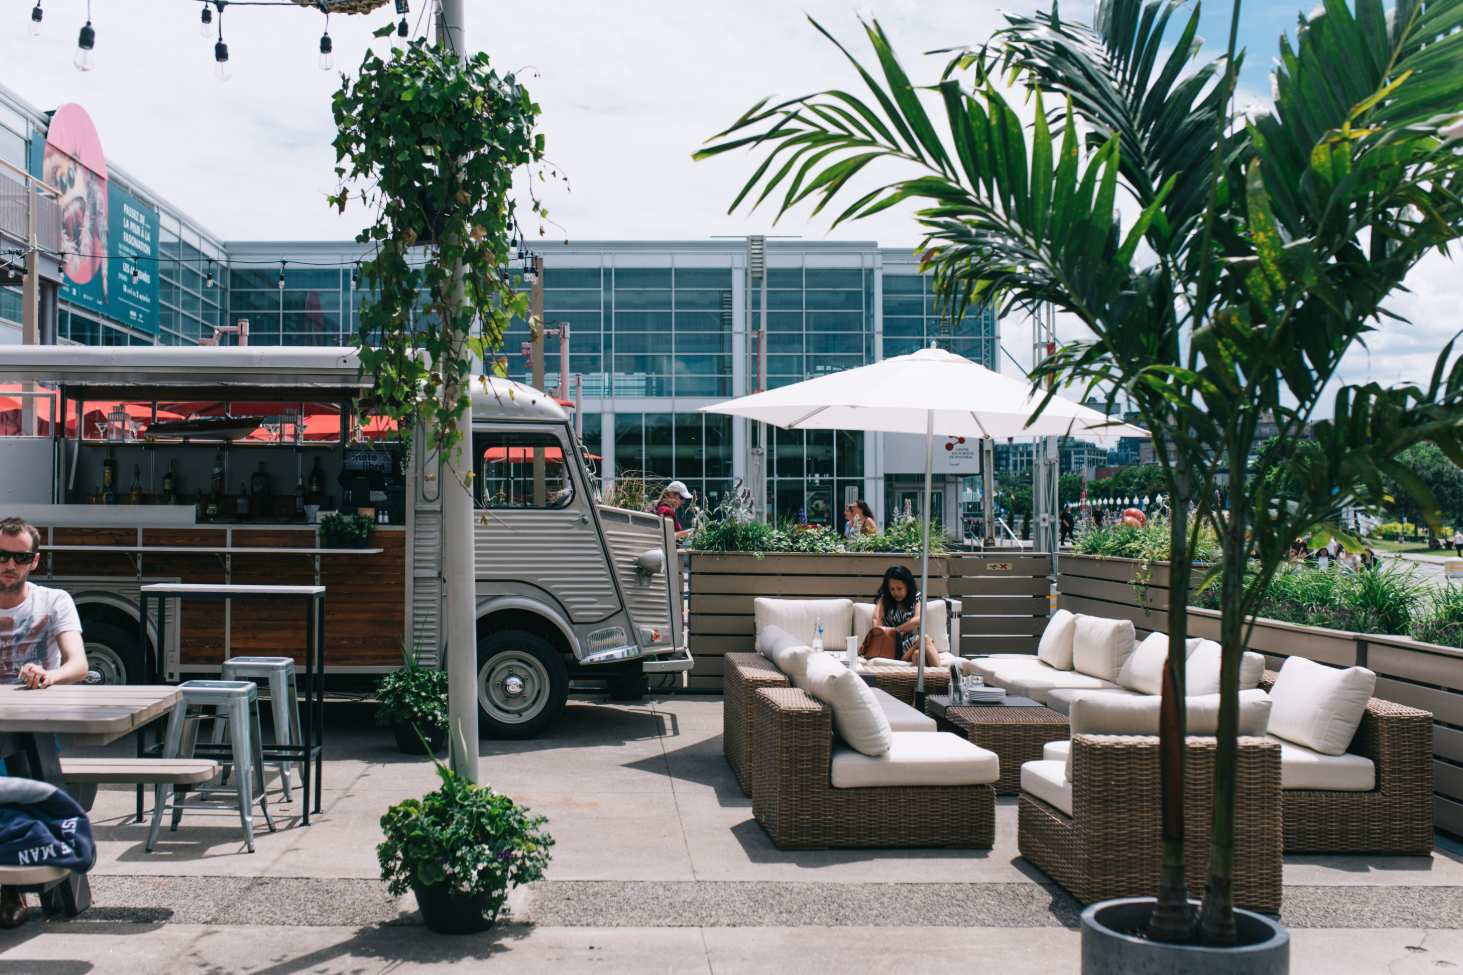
(897, 615)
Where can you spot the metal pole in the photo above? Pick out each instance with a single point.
(988, 491)
(579, 406)
(924, 562)
(536, 326)
(563, 360)
(458, 563)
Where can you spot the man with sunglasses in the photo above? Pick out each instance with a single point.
(40, 642)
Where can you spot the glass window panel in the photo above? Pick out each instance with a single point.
(260, 323)
(914, 327)
(659, 321)
(782, 321)
(782, 277)
(823, 364)
(629, 443)
(687, 385)
(785, 365)
(192, 304)
(824, 277)
(778, 301)
(718, 439)
(167, 292)
(787, 503)
(773, 382)
(659, 444)
(787, 449)
(703, 277)
(783, 342)
(703, 342)
(169, 270)
(310, 323)
(642, 277)
(191, 279)
(632, 343)
(580, 322)
(894, 347)
(834, 343)
(690, 442)
(316, 280)
(901, 305)
(835, 321)
(312, 301)
(571, 277)
(253, 277)
(820, 453)
(250, 301)
(822, 507)
(584, 365)
(704, 365)
(573, 300)
(592, 425)
(657, 364)
(508, 471)
(850, 452)
(903, 284)
(703, 321)
(835, 300)
(702, 300)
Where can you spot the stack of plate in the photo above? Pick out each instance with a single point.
(985, 695)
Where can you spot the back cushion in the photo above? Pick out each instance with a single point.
(1143, 671)
(857, 717)
(799, 617)
(1055, 649)
(1124, 714)
(793, 661)
(1100, 646)
(1201, 673)
(937, 624)
(1317, 706)
(773, 638)
(863, 621)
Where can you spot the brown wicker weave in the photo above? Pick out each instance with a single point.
(900, 683)
(1109, 847)
(743, 673)
(1396, 817)
(1016, 735)
(794, 799)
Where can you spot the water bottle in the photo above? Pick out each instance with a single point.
(818, 635)
(957, 689)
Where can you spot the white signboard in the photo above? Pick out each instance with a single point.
(904, 453)
(957, 455)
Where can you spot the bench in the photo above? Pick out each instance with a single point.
(138, 771)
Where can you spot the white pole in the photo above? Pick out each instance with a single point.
(924, 560)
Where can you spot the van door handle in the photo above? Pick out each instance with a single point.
(584, 518)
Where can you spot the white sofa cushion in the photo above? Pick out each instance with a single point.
(772, 638)
(916, 758)
(1317, 706)
(1038, 686)
(1201, 672)
(1306, 768)
(999, 669)
(1047, 780)
(901, 716)
(1055, 648)
(799, 617)
(1060, 699)
(943, 626)
(1138, 714)
(1056, 751)
(1101, 646)
(1143, 670)
(793, 661)
(863, 621)
(857, 717)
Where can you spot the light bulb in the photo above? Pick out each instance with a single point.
(206, 27)
(221, 69)
(402, 29)
(326, 61)
(281, 279)
(85, 60)
(35, 20)
(209, 282)
(135, 274)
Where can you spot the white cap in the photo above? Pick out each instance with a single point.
(680, 488)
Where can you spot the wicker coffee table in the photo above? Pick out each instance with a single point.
(1015, 730)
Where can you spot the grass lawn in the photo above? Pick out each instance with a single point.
(1408, 547)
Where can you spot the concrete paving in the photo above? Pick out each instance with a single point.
(655, 836)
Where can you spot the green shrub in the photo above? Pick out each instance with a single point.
(335, 523)
(1381, 600)
(412, 694)
(1149, 542)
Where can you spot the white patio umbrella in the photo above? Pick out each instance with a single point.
(930, 391)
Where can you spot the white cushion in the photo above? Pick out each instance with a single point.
(857, 717)
(800, 616)
(1055, 648)
(1047, 780)
(793, 661)
(937, 624)
(1317, 706)
(1060, 699)
(1143, 671)
(1100, 646)
(956, 608)
(999, 669)
(1201, 673)
(772, 638)
(1306, 768)
(1056, 751)
(1037, 686)
(901, 716)
(1138, 714)
(916, 758)
(863, 621)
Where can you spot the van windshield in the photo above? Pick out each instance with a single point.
(522, 470)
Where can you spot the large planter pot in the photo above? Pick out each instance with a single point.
(1108, 948)
(447, 913)
(409, 743)
(330, 541)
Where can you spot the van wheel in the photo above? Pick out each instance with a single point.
(627, 689)
(522, 685)
(112, 653)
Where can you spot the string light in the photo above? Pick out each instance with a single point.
(281, 275)
(136, 274)
(402, 29)
(85, 41)
(35, 19)
(206, 27)
(222, 70)
(327, 61)
(209, 282)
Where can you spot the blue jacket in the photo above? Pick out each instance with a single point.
(40, 824)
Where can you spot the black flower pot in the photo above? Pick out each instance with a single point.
(1110, 945)
(358, 542)
(330, 540)
(446, 912)
(409, 743)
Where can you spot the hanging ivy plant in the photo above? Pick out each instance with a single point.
(434, 141)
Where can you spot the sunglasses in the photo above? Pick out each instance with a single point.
(21, 558)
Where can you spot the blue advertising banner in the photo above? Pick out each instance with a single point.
(133, 266)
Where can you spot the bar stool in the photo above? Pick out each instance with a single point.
(237, 702)
(284, 699)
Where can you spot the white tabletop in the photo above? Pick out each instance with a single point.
(222, 589)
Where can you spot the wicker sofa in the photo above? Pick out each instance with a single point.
(793, 766)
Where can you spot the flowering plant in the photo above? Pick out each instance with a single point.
(475, 840)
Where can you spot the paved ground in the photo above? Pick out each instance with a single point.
(659, 866)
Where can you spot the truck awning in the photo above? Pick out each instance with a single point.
(226, 373)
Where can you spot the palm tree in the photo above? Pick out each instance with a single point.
(1262, 252)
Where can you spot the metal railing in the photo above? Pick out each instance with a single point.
(27, 205)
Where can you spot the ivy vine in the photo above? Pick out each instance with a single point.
(434, 141)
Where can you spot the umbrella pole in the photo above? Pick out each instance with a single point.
(924, 563)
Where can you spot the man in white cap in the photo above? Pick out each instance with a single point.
(675, 494)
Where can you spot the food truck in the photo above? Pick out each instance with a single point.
(251, 465)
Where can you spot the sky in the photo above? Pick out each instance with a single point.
(629, 90)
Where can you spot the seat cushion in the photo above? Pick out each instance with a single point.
(1201, 672)
(799, 617)
(1060, 699)
(1101, 646)
(857, 717)
(1143, 670)
(1037, 686)
(1055, 648)
(999, 669)
(1317, 706)
(1056, 751)
(901, 716)
(1047, 780)
(916, 758)
(1306, 768)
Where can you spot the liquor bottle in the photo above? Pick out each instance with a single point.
(109, 477)
(170, 484)
(136, 497)
(317, 480)
(216, 486)
(300, 496)
(259, 490)
(241, 505)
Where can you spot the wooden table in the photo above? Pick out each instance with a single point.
(1015, 729)
(92, 715)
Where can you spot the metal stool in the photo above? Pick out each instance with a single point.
(284, 699)
(238, 704)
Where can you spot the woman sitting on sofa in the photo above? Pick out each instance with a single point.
(897, 608)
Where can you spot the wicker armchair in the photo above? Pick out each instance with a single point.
(742, 674)
(794, 799)
(1396, 817)
(1109, 846)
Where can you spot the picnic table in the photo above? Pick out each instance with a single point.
(92, 715)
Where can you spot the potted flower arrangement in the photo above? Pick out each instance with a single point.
(460, 850)
(334, 527)
(360, 528)
(413, 702)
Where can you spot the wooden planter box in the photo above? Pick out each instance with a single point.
(1419, 675)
